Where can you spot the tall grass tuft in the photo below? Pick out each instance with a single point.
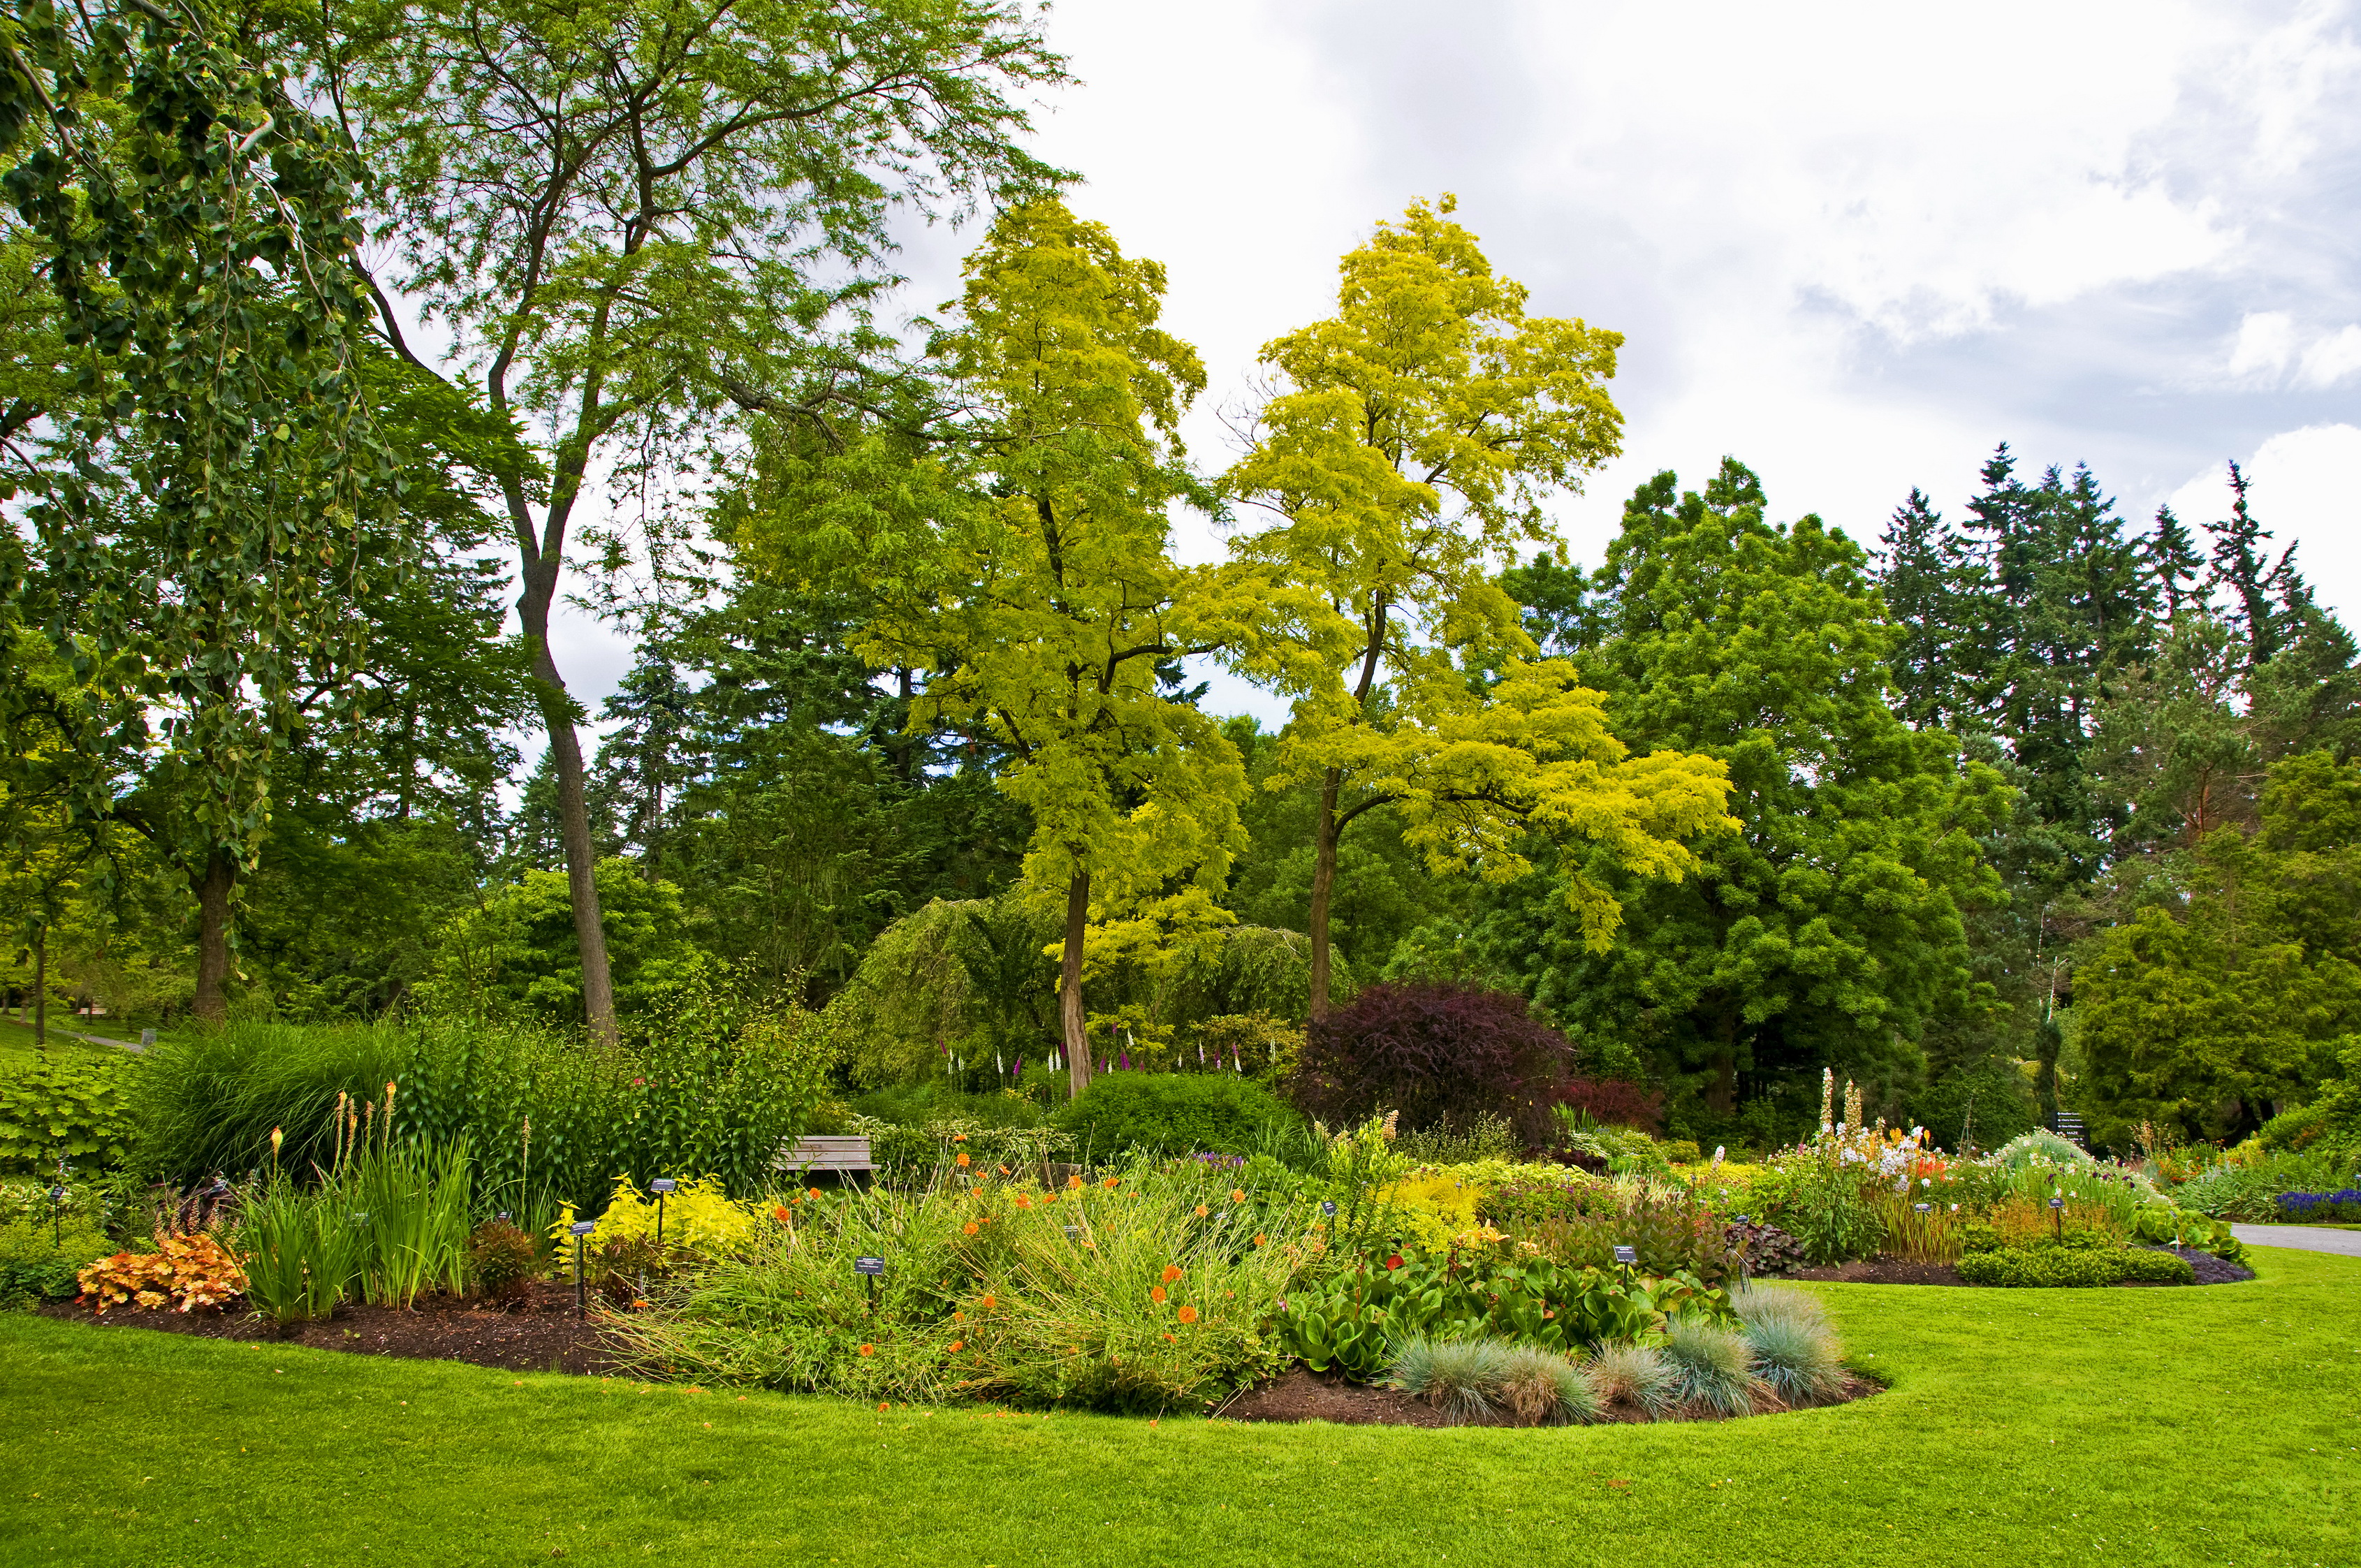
(1459, 1378)
(303, 1252)
(1712, 1366)
(1635, 1374)
(1796, 1360)
(411, 1207)
(1541, 1387)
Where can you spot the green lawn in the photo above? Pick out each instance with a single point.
(17, 1046)
(2213, 1426)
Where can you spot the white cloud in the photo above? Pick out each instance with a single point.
(2266, 345)
(2331, 361)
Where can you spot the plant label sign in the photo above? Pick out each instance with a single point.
(583, 1227)
(662, 1184)
(868, 1265)
(1627, 1255)
(1924, 1208)
(2057, 1203)
(1328, 1207)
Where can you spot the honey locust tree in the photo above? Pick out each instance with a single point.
(1015, 555)
(644, 218)
(1413, 438)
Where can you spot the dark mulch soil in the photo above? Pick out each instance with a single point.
(2209, 1269)
(1302, 1396)
(541, 1334)
(1882, 1271)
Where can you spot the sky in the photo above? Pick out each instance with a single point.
(1854, 246)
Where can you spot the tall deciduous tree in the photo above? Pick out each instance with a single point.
(1023, 571)
(638, 219)
(1415, 436)
(217, 497)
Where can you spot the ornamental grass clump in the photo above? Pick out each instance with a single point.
(1541, 1388)
(1635, 1376)
(1459, 1378)
(1712, 1366)
(1792, 1351)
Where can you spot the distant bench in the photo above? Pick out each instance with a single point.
(842, 1156)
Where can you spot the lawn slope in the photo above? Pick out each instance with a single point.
(2214, 1426)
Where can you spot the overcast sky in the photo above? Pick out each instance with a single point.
(1854, 246)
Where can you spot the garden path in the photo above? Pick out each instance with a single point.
(2306, 1238)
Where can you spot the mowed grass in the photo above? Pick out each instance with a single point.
(2215, 1426)
(17, 1048)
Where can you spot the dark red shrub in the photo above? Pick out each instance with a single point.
(1442, 1054)
(1612, 1102)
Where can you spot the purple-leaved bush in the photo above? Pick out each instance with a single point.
(1440, 1053)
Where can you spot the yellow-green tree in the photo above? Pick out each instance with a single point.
(1406, 451)
(1016, 557)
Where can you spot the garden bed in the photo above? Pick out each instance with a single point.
(540, 1336)
(1304, 1395)
(1884, 1270)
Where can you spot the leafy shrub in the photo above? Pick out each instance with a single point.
(1766, 1248)
(1458, 1377)
(69, 1107)
(914, 1157)
(304, 1254)
(697, 1215)
(1440, 1054)
(1351, 1321)
(1712, 1366)
(916, 1105)
(183, 1273)
(502, 1262)
(40, 1260)
(1169, 1113)
(1635, 1376)
(2072, 1267)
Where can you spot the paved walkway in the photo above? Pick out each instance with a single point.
(2304, 1238)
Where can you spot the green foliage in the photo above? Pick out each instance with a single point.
(1351, 1322)
(2054, 1266)
(1114, 1295)
(2236, 988)
(1828, 929)
(715, 1087)
(1985, 1103)
(303, 1252)
(1458, 1377)
(1580, 1222)
(65, 1107)
(39, 1256)
(516, 952)
(502, 1262)
(1171, 1112)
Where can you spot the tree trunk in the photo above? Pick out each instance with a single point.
(1072, 1023)
(42, 987)
(1721, 1098)
(212, 1001)
(573, 806)
(1324, 882)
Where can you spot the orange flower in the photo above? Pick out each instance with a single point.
(1025, 1202)
(1004, 1170)
(969, 1227)
(781, 1214)
(986, 1303)
(1202, 1211)
(1073, 1181)
(815, 1193)
(962, 1158)
(1237, 1194)
(1170, 1340)
(1172, 1273)
(1259, 1238)
(957, 1345)
(959, 1138)
(959, 1317)
(883, 1409)
(1157, 1294)
(1187, 1314)
(869, 1350)
(1110, 1181)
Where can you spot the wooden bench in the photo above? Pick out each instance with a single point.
(842, 1156)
